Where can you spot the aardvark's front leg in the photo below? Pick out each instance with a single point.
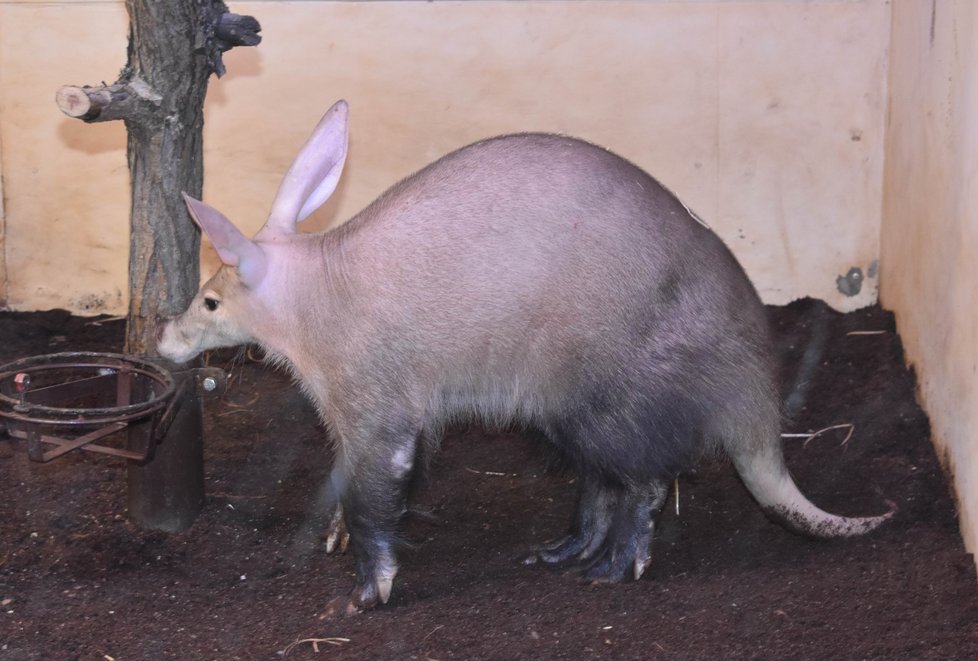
(372, 475)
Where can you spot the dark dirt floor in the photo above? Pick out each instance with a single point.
(249, 578)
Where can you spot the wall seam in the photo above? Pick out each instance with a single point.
(4, 281)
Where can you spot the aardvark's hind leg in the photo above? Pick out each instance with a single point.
(611, 531)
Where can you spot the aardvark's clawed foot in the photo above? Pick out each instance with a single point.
(337, 536)
(363, 597)
(611, 533)
(338, 607)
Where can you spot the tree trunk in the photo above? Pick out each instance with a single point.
(165, 153)
(174, 46)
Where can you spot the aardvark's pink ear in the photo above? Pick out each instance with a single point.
(232, 246)
(314, 173)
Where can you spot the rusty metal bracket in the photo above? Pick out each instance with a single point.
(206, 381)
(210, 381)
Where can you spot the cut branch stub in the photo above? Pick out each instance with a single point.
(236, 30)
(93, 103)
(107, 102)
(222, 31)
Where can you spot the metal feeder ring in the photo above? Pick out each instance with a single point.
(90, 395)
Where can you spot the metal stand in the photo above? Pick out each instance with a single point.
(121, 406)
(168, 492)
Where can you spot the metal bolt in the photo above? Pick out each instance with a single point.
(22, 382)
(209, 383)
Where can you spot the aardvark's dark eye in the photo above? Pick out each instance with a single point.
(211, 303)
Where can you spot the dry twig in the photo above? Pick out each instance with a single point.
(810, 436)
(493, 473)
(333, 640)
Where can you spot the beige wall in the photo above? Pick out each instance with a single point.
(766, 117)
(65, 183)
(930, 224)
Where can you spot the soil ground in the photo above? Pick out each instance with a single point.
(247, 581)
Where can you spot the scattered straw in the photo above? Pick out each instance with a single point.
(809, 437)
(103, 320)
(234, 407)
(440, 626)
(231, 496)
(334, 640)
(492, 473)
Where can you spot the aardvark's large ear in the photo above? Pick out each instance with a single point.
(232, 246)
(314, 173)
